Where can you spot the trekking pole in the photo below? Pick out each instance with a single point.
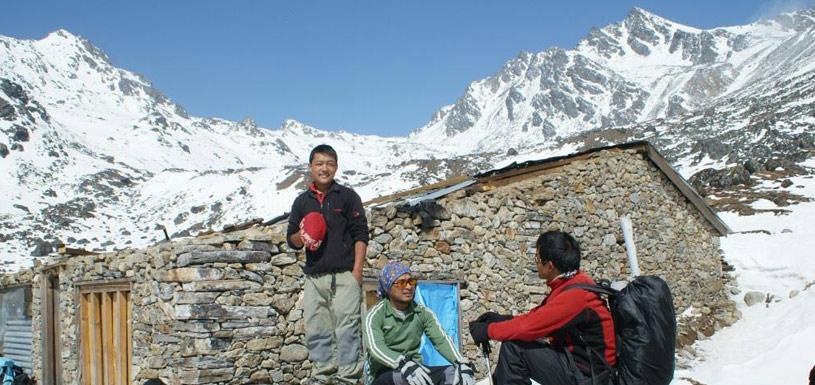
(485, 349)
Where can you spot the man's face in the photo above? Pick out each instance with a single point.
(546, 270)
(403, 289)
(323, 167)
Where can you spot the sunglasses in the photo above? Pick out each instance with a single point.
(400, 284)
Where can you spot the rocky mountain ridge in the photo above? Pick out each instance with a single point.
(640, 69)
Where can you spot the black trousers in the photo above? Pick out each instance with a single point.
(519, 361)
(441, 375)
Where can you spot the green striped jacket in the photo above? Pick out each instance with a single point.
(388, 335)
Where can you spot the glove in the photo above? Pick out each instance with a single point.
(464, 374)
(414, 373)
(479, 332)
(486, 348)
(312, 230)
(491, 316)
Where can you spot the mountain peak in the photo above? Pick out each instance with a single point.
(637, 13)
(62, 34)
(640, 12)
(64, 39)
(291, 124)
(639, 16)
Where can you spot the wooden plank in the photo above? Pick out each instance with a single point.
(107, 338)
(129, 335)
(85, 336)
(120, 337)
(116, 335)
(65, 250)
(104, 286)
(56, 332)
(242, 226)
(95, 332)
(48, 327)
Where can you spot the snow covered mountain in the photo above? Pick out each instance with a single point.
(643, 68)
(95, 156)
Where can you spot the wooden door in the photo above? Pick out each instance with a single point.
(106, 336)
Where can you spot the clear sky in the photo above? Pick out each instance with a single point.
(372, 67)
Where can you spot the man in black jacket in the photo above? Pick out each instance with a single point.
(329, 220)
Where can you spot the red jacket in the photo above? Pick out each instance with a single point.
(561, 314)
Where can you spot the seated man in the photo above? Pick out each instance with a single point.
(392, 331)
(568, 339)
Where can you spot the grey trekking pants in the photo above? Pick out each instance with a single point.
(331, 308)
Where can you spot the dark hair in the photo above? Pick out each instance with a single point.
(560, 248)
(154, 381)
(812, 376)
(322, 149)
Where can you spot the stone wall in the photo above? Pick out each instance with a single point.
(226, 308)
(487, 239)
(24, 277)
(214, 309)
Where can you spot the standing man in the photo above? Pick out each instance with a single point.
(329, 220)
(567, 340)
(393, 330)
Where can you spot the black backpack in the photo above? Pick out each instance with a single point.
(645, 325)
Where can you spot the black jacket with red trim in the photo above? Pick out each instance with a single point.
(345, 221)
(562, 315)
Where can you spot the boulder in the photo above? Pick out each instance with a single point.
(41, 248)
(754, 297)
(293, 353)
(6, 110)
(21, 134)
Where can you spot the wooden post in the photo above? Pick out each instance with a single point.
(85, 334)
(95, 333)
(107, 338)
(121, 369)
(129, 335)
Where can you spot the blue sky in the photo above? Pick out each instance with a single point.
(373, 67)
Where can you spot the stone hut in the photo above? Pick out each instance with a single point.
(225, 307)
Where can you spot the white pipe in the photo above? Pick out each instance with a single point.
(630, 247)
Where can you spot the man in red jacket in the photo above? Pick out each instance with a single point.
(567, 339)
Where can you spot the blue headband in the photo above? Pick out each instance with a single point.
(390, 273)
